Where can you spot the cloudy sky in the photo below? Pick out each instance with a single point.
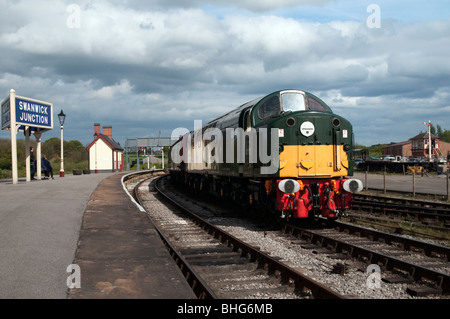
(149, 66)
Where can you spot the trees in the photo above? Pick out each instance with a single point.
(444, 135)
(75, 155)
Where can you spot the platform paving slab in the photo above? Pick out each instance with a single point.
(120, 253)
(87, 220)
(39, 227)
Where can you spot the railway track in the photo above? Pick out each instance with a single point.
(397, 258)
(402, 215)
(402, 200)
(409, 261)
(219, 265)
(420, 210)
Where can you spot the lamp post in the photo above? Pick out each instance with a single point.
(62, 118)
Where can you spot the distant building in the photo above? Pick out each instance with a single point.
(420, 147)
(402, 149)
(105, 154)
(417, 147)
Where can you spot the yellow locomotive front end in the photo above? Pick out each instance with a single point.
(316, 158)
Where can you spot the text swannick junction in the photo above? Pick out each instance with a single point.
(33, 113)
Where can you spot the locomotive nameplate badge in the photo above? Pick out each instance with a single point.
(307, 128)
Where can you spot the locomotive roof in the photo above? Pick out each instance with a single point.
(244, 106)
(238, 109)
(229, 118)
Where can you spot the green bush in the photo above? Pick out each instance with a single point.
(75, 156)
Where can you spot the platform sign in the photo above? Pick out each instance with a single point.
(6, 115)
(34, 113)
(31, 117)
(29, 112)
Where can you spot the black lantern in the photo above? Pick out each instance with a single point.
(61, 117)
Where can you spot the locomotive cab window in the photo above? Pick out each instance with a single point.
(270, 107)
(293, 102)
(314, 104)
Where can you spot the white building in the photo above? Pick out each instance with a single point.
(105, 154)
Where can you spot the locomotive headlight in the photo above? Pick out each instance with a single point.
(336, 122)
(290, 122)
(353, 185)
(289, 186)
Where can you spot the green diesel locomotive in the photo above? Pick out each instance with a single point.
(285, 152)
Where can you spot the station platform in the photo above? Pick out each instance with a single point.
(86, 220)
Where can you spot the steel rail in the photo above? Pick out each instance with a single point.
(416, 272)
(407, 243)
(438, 214)
(413, 204)
(377, 221)
(195, 281)
(263, 260)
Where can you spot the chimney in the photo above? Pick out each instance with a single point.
(107, 130)
(97, 129)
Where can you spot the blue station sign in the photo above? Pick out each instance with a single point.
(31, 117)
(37, 115)
(34, 113)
